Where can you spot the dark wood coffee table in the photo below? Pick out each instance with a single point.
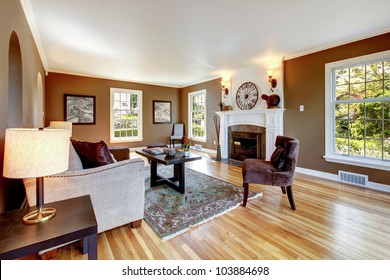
(178, 162)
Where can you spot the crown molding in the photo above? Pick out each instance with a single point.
(31, 21)
(340, 43)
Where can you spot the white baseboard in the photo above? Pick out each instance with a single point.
(208, 151)
(334, 177)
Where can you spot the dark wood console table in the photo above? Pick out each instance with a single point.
(75, 219)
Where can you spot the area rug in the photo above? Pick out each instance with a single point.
(170, 213)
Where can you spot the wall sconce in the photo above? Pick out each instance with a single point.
(225, 89)
(271, 80)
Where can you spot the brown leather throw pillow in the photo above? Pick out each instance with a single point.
(278, 159)
(92, 154)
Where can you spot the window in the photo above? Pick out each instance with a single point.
(126, 115)
(358, 111)
(197, 115)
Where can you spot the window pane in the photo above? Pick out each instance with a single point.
(356, 111)
(342, 128)
(357, 91)
(341, 111)
(342, 76)
(386, 149)
(357, 74)
(386, 109)
(374, 89)
(387, 88)
(374, 148)
(342, 92)
(386, 131)
(342, 146)
(374, 71)
(386, 70)
(373, 110)
(374, 129)
(357, 129)
(356, 147)
(134, 101)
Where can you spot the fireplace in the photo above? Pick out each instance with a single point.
(271, 120)
(246, 141)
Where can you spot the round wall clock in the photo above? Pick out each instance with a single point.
(246, 96)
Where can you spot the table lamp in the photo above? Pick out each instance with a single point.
(35, 153)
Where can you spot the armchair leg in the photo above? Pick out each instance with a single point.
(283, 190)
(246, 191)
(290, 197)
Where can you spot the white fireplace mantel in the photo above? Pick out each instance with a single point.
(271, 119)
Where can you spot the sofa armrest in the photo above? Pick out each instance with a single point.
(120, 152)
(117, 191)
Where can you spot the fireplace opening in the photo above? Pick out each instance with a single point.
(246, 141)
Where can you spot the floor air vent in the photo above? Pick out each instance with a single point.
(353, 178)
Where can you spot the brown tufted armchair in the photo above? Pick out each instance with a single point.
(278, 171)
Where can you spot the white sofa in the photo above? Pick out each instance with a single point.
(117, 190)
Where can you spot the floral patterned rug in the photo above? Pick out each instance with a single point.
(171, 213)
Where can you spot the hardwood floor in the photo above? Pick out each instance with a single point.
(332, 221)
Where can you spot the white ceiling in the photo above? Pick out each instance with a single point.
(182, 42)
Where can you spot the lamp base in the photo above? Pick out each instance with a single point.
(40, 215)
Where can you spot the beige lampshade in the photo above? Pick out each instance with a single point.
(32, 153)
(61, 125)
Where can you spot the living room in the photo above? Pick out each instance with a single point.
(301, 86)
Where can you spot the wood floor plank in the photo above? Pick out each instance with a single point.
(332, 221)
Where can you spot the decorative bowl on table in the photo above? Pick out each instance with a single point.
(170, 152)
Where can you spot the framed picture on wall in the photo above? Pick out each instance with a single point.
(80, 109)
(162, 112)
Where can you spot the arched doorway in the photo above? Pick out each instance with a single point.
(14, 191)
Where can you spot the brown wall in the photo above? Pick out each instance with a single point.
(59, 84)
(304, 84)
(213, 96)
(12, 19)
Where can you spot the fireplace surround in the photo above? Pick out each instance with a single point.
(270, 119)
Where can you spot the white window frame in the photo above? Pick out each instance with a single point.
(114, 139)
(190, 95)
(330, 154)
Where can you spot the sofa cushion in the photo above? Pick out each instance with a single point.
(92, 154)
(278, 159)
